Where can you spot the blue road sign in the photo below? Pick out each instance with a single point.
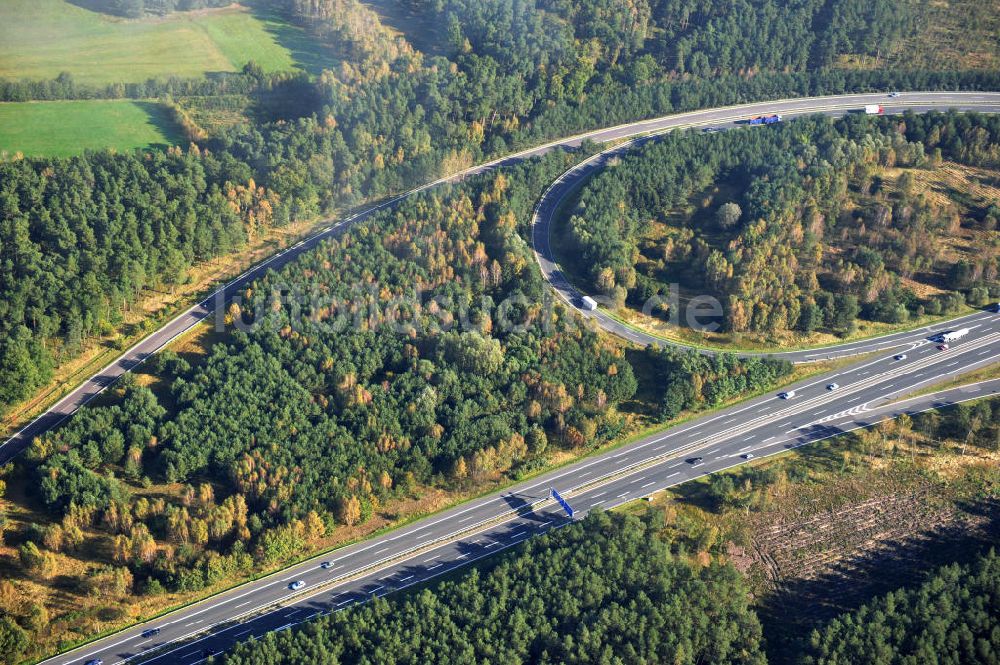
(562, 502)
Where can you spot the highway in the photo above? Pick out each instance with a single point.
(429, 547)
(548, 210)
(185, 321)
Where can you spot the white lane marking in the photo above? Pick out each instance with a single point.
(625, 494)
(438, 565)
(248, 630)
(647, 485)
(675, 473)
(242, 604)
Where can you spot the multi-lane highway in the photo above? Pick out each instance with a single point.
(919, 101)
(427, 548)
(762, 426)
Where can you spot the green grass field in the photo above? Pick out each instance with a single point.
(68, 128)
(41, 38)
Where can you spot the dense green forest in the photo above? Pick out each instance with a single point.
(950, 618)
(319, 407)
(609, 590)
(606, 590)
(796, 227)
(945, 615)
(385, 117)
(418, 350)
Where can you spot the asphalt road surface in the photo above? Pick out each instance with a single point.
(548, 210)
(434, 545)
(759, 427)
(920, 101)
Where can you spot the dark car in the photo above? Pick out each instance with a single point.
(695, 461)
(151, 632)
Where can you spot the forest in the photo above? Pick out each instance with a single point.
(609, 590)
(801, 228)
(419, 350)
(606, 590)
(385, 118)
(946, 613)
(319, 407)
(950, 618)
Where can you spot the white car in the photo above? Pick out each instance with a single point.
(747, 456)
(326, 565)
(789, 394)
(894, 94)
(832, 386)
(899, 356)
(296, 585)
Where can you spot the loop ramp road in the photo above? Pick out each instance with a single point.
(216, 301)
(550, 207)
(868, 392)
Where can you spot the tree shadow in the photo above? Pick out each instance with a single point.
(416, 24)
(800, 605)
(160, 117)
(97, 6)
(307, 51)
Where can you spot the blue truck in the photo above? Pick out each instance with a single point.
(765, 119)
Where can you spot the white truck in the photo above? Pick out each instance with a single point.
(874, 109)
(588, 303)
(954, 335)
